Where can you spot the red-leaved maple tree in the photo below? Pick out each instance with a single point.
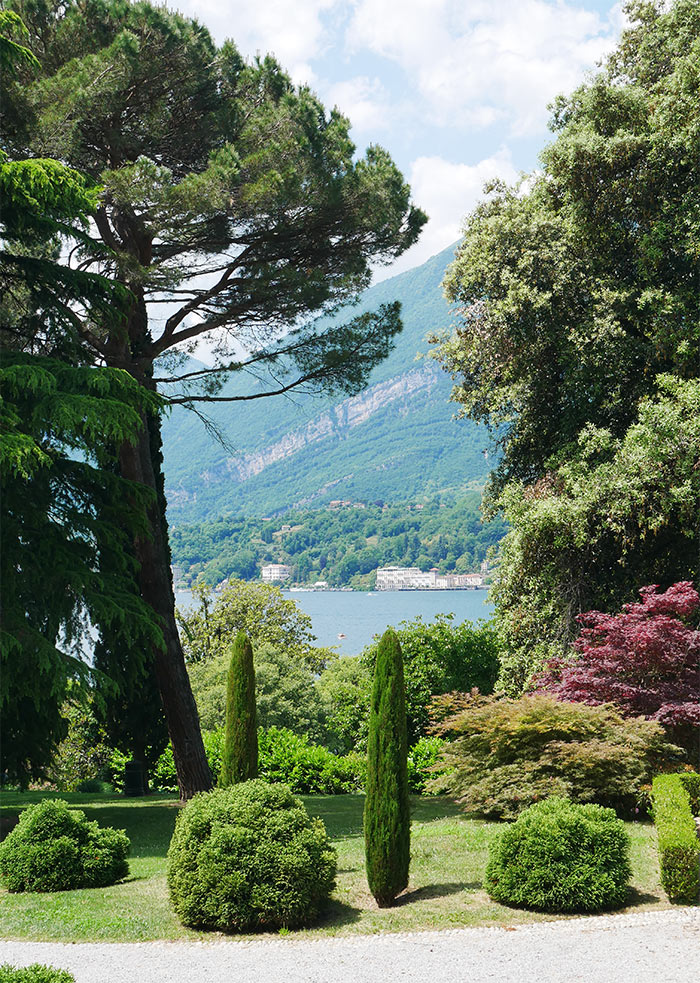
(646, 660)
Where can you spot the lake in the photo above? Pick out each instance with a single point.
(358, 616)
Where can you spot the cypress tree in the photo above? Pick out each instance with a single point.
(240, 757)
(387, 818)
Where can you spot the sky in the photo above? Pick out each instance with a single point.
(455, 90)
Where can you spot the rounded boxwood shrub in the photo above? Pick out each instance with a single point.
(36, 973)
(249, 857)
(561, 856)
(54, 848)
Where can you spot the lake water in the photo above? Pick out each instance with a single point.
(358, 616)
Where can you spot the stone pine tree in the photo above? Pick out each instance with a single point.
(240, 757)
(234, 206)
(387, 819)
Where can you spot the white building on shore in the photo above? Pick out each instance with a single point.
(275, 572)
(412, 578)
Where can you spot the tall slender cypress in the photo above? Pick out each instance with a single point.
(240, 757)
(387, 817)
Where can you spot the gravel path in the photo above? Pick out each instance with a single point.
(653, 947)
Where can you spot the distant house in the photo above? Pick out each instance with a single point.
(275, 572)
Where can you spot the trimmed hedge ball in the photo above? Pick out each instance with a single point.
(35, 973)
(248, 857)
(561, 856)
(54, 848)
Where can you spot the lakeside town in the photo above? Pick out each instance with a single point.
(389, 578)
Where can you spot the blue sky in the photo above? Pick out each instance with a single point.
(456, 90)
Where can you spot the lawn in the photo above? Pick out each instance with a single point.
(448, 858)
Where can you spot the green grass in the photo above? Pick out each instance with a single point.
(448, 859)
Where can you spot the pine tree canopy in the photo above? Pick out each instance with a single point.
(231, 204)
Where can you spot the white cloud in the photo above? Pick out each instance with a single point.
(448, 192)
(480, 62)
(292, 30)
(362, 99)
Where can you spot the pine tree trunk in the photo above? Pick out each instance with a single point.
(138, 463)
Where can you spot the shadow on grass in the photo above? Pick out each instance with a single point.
(431, 891)
(338, 913)
(635, 897)
(426, 809)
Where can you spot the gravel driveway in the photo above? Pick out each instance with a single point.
(653, 947)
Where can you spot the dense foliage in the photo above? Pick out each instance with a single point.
(283, 756)
(690, 780)
(387, 818)
(309, 769)
(84, 753)
(61, 426)
(233, 196)
(248, 857)
(423, 764)
(645, 660)
(65, 535)
(560, 856)
(617, 515)
(679, 846)
(340, 545)
(578, 342)
(239, 762)
(506, 754)
(260, 610)
(439, 657)
(287, 691)
(36, 973)
(344, 689)
(54, 848)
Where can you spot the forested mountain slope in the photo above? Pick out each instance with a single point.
(396, 441)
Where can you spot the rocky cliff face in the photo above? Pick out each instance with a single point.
(395, 441)
(334, 423)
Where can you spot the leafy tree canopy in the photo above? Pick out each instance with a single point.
(645, 660)
(63, 537)
(579, 342)
(232, 204)
(439, 657)
(618, 513)
(285, 691)
(503, 755)
(216, 169)
(580, 287)
(259, 610)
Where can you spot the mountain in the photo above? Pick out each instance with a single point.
(396, 441)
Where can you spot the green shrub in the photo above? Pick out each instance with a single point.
(164, 776)
(84, 752)
(307, 768)
(240, 756)
(422, 758)
(440, 657)
(249, 857)
(679, 847)
(285, 690)
(561, 856)
(54, 848)
(690, 780)
(387, 817)
(507, 754)
(94, 785)
(34, 974)
(283, 756)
